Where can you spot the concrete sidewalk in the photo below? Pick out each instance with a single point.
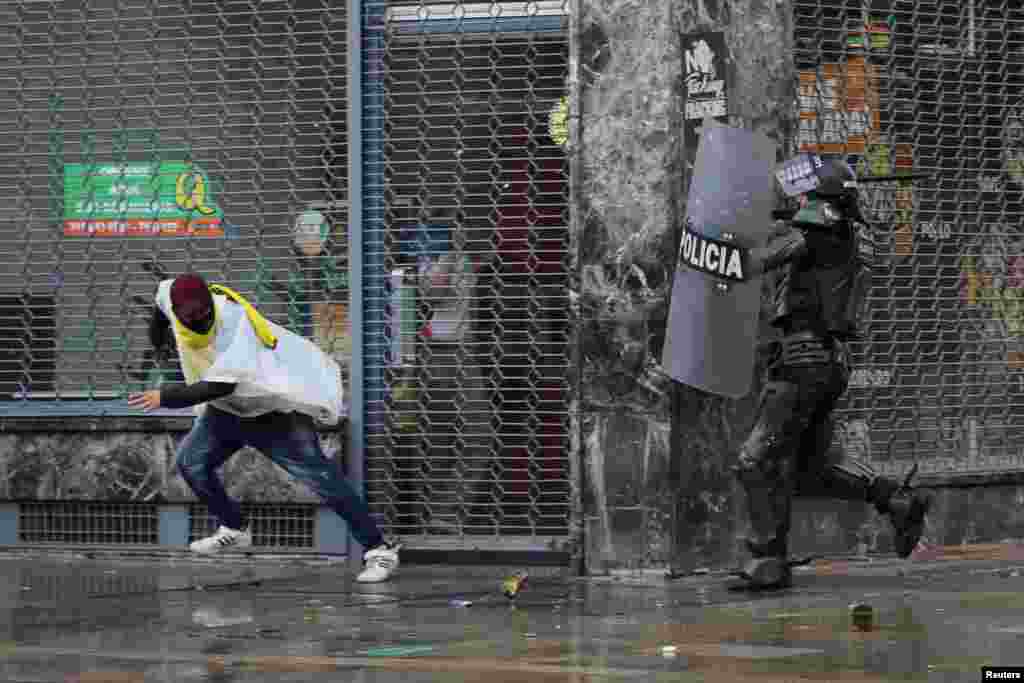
(939, 617)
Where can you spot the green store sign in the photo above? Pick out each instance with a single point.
(172, 198)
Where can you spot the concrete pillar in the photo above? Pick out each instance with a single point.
(656, 455)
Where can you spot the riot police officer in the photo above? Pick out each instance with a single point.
(823, 258)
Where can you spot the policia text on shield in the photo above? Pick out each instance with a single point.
(712, 257)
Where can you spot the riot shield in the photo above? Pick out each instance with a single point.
(713, 319)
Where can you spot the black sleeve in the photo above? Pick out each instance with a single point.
(784, 248)
(781, 249)
(187, 395)
(160, 330)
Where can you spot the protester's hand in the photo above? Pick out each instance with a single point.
(147, 400)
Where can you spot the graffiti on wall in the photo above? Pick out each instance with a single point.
(992, 265)
(992, 288)
(889, 206)
(1013, 146)
(839, 107)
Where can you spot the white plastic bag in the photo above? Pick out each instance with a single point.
(294, 376)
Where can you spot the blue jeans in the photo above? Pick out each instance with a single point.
(290, 440)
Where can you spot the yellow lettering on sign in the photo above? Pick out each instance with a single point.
(192, 198)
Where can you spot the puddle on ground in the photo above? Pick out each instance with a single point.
(992, 600)
(608, 636)
(742, 651)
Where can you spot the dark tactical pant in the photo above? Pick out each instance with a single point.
(787, 453)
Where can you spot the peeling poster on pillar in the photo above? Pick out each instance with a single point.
(705, 68)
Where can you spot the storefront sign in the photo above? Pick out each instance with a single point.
(144, 199)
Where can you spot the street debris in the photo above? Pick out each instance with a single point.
(513, 585)
(862, 616)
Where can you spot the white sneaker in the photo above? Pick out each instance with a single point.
(224, 539)
(379, 563)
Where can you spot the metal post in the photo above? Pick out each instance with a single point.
(356, 455)
(55, 184)
(577, 463)
(375, 276)
(173, 525)
(366, 24)
(972, 29)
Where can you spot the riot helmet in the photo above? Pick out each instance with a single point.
(820, 177)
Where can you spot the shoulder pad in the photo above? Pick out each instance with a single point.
(818, 213)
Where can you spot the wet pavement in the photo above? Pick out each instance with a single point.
(71, 618)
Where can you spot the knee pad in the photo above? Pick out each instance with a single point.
(758, 462)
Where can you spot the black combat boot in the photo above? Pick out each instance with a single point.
(767, 573)
(907, 509)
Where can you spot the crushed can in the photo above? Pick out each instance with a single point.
(513, 585)
(862, 616)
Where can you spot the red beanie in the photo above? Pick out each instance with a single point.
(190, 295)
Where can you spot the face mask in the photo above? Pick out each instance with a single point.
(203, 324)
(196, 327)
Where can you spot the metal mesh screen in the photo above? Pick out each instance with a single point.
(152, 137)
(466, 269)
(272, 525)
(929, 86)
(87, 522)
(204, 135)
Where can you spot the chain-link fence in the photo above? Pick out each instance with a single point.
(174, 135)
(157, 136)
(146, 138)
(929, 86)
(465, 275)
